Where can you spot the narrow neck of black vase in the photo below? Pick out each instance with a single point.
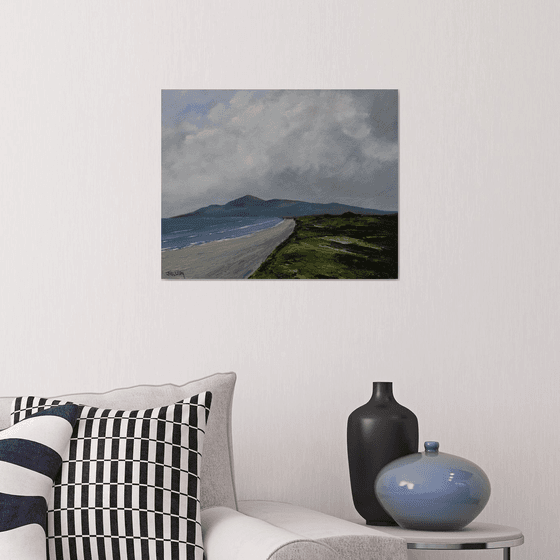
(382, 392)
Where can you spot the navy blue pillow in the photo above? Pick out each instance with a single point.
(30, 457)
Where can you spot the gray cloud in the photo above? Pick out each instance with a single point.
(318, 146)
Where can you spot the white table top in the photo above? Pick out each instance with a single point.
(474, 535)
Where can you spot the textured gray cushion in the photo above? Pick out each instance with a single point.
(217, 482)
(348, 540)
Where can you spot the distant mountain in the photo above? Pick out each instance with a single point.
(277, 208)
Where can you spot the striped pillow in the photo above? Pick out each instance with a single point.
(30, 457)
(129, 486)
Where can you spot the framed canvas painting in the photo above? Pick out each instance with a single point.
(279, 184)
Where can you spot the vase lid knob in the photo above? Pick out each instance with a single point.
(431, 446)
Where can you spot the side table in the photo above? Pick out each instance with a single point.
(473, 536)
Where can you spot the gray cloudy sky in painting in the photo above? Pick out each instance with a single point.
(312, 145)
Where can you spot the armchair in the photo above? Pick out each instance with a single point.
(231, 529)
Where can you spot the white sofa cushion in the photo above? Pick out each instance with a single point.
(231, 535)
(30, 458)
(217, 485)
(129, 484)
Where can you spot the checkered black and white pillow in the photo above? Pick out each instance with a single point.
(129, 486)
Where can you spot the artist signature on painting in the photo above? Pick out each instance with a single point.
(175, 273)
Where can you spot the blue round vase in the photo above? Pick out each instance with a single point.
(432, 491)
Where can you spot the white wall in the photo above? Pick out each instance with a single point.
(468, 333)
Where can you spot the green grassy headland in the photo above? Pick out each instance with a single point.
(345, 246)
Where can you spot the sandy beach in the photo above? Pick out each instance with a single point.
(228, 259)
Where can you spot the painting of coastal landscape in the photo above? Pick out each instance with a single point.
(279, 184)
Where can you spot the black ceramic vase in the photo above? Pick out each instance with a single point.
(379, 432)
